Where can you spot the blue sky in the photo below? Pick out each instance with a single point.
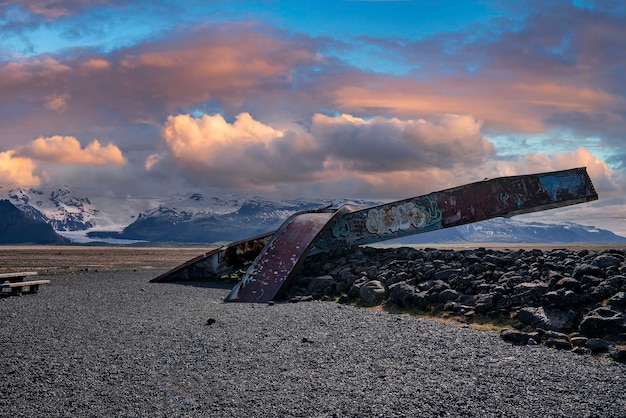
(357, 99)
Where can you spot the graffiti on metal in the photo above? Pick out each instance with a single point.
(505, 196)
(402, 217)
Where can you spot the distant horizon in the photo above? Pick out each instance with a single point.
(550, 217)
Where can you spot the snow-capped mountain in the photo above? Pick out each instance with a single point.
(60, 208)
(196, 217)
(193, 204)
(506, 230)
(253, 216)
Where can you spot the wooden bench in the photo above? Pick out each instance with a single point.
(12, 284)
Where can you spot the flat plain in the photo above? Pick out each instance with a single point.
(101, 340)
(55, 260)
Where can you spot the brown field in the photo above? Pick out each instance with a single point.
(53, 260)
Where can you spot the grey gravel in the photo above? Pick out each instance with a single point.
(105, 344)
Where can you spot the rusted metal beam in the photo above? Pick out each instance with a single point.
(487, 199)
(278, 261)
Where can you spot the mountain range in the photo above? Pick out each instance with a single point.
(181, 219)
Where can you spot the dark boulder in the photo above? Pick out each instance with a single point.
(604, 322)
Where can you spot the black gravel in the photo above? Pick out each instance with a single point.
(105, 344)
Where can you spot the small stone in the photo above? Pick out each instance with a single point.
(605, 260)
(598, 345)
(373, 293)
(603, 322)
(579, 341)
(581, 350)
(618, 300)
(514, 337)
(618, 354)
(558, 343)
(210, 321)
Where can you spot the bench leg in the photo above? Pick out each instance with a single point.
(33, 288)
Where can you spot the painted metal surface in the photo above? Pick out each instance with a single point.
(275, 265)
(499, 197)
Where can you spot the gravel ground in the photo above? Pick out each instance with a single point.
(108, 343)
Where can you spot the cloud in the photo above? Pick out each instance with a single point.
(17, 170)
(382, 144)
(349, 156)
(606, 180)
(57, 102)
(321, 126)
(249, 154)
(552, 63)
(222, 65)
(210, 137)
(226, 62)
(95, 64)
(509, 105)
(54, 9)
(68, 150)
(30, 75)
(244, 153)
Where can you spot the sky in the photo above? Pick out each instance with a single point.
(378, 99)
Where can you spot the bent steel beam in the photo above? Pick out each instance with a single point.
(278, 261)
(487, 199)
(327, 229)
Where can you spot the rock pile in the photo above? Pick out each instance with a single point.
(567, 299)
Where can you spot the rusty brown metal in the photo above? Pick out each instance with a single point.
(275, 265)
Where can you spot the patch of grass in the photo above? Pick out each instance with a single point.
(484, 323)
(232, 277)
(478, 322)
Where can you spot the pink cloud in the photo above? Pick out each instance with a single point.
(502, 104)
(225, 62)
(28, 76)
(68, 150)
(17, 170)
(211, 139)
(232, 64)
(57, 102)
(54, 9)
